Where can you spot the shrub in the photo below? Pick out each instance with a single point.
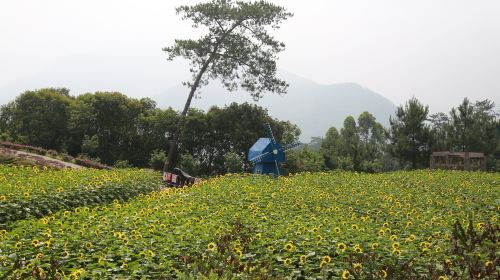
(157, 159)
(122, 164)
(233, 162)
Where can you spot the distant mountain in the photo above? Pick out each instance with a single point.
(313, 107)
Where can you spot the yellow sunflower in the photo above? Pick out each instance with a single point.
(211, 246)
(289, 247)
(327, 259)
(303, 258)
(35, 242)
(341, 246)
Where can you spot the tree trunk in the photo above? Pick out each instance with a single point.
(180, 124)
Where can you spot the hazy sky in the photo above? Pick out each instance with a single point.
(437, 50)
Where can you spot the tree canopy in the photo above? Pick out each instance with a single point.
(410, 133)
(237, 49)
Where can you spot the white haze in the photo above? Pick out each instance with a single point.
(439, 51)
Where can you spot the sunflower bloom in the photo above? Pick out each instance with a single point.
(327, 259)
(211, 246)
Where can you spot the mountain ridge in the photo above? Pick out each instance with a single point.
(313, 107)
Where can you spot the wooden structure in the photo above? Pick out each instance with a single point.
(458, 161)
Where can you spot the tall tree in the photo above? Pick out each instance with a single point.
(238, 50)
(366, 122)
(330, 148)
(372, 142)
(440, 131)
(472, 126)
(113, 118)
(410, 134)
(463, 124)
(350, 142)
(304, 159)
(231, 129)
(39, 117)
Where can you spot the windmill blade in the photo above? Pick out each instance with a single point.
(277, 167)
(269, 131)
(290, 146)
(259, 157)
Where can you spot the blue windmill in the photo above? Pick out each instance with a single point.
(267, 154)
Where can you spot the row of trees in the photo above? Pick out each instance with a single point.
(119, 130)
(473, 127)
(412, 136)
(114, 128)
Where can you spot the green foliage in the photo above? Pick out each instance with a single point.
(440, 131)
(410, 135)
(398, 225)
(90, 145)
(189, 164)
(238, 48)
(345, 163)
(233, 162)
(208, 137)
(157, 159)
(301, 160)
(110, 126)
(473, 127)
(471, 244)
(113, 119)
(357, 147)
(371, 166)
(122, 164)
(38, 117)
(32, 192)
(350, 142)
(330, 148)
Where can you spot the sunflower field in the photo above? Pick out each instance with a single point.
(339, 225)
(36, 192)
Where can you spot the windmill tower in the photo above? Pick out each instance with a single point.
(267, 154)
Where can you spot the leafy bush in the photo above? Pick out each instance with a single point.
(233, 162)
(122, 164)
(303, 160)
(345, 163)
(371, 166)
(90, 145)
(157, 159)
(189, 164)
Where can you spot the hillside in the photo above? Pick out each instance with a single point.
(313, 107)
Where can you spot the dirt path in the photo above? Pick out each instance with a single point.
(39, 159)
